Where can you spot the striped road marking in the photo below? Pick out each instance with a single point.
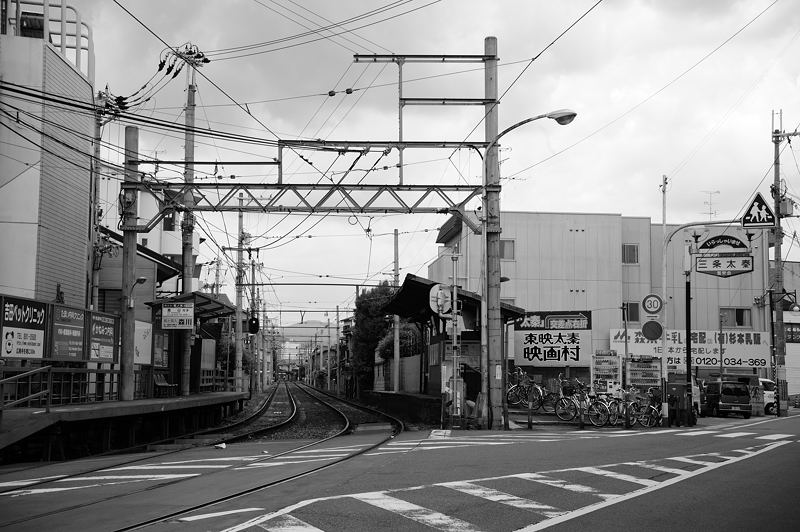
(391, 501)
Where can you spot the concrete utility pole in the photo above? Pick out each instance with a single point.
(492, 373)
(396, 372)
(338, 356)
(129, 208)
(781, 399)
(239, 274)
(187, 226)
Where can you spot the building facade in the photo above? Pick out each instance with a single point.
(582, 279)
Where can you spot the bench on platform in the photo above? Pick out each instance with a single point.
(162, 387)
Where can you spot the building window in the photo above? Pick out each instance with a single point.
(731, 318)
(630, 253)
(633, 311)
(507, 249)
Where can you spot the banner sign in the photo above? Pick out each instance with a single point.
(177, 316)
(740, 349)
(143, 343)
(68, 333)
(23, 327)
(103, 335)
(644, 372)
(553, 339)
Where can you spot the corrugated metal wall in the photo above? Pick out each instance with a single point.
(63, 246)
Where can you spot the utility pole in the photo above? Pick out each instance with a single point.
(129, 209)
(328, 357)
(192, 57)
(492, 372)
(338, 356)
(239, 275)
(396, 372)
(253, 314)
(782, 399)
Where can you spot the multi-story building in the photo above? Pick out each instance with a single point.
(575, 273)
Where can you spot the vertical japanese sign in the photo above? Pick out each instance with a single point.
(23, 328)
(68, 333)
(553, 339)
(103, 335)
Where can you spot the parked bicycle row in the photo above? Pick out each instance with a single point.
(573, 397)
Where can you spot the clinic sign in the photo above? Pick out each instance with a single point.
(553, 339)
(23, 328)
(734, 349)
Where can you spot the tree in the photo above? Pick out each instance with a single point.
(409, 337)
(370, 326)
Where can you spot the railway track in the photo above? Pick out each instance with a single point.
(258, 455)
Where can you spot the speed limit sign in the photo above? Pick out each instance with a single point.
(652, 304)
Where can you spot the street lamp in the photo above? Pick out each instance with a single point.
(139, 280)
(491, 335)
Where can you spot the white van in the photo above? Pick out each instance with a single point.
(769, 395)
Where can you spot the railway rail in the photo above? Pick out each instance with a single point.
(258, 454)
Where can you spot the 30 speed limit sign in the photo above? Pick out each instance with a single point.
(652, 304)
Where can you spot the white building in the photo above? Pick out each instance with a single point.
(574, 272)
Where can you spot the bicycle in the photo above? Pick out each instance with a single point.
(527, 391)
(619, 408)
(576, 399)
(650, 415)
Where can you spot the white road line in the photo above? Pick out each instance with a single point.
(300, 460)
(563, 484)
(775, 437)
(617, 476)
(218, 514)
(129, 477)
(28, 481)
(594, 507)
(692, 461)
(504, 498)
(698, 433)
(655, 467)
(735, 434)
(288, 523)
(157, 467)
(414, 512)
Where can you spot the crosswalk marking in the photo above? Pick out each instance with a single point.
(414, 512)
(618, 476)
(563, 484)
(503, 498)
(691, 460)
(775, 437)
(288, 523)
(735, 434)
(698, 433)
(654, 467)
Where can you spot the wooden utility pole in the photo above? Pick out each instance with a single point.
(129, 199)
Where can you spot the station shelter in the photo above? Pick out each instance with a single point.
(204, 315)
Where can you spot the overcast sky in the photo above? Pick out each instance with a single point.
(680, 88)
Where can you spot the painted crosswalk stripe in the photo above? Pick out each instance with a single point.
(691, 460)
(697, 433)
(289, 523)
(563, 484)
(655, 467)
(414, 512)
(504, 498)
(618, 476)
(775, 437)
(218, 514)
(735, 434)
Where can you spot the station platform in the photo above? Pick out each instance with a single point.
(17, 424)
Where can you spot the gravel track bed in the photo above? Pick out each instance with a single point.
(314, 420)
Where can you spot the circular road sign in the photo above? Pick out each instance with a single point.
(652, 304)
(652, 330)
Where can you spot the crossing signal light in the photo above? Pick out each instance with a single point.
(252, 325)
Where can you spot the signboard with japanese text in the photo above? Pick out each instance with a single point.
(553, 339)
(68, 333)
(724, 264)
(643, 372)
(740, 349)
(23, 327)
(103, 337)
(177, 316)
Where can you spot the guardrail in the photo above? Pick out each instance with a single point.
(32, 380)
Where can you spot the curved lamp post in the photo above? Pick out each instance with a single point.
(491, 334)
